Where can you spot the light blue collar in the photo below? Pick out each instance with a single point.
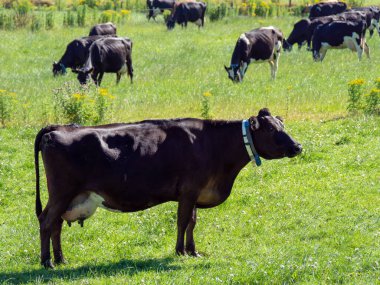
(248, 142)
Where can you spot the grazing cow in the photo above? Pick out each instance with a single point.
(187, 12)
(156, 7)
(298, 34)
(111, 55)
(132, 167)
(339, 35)
(75, 56)
(103, 29)
(326, 9)
(372, 18)
(259, 45)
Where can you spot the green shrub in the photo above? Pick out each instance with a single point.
(22, 9)
(81, 15)
(36, 23)
(372, 102)
(218, 12)
(49, 20)
(206, 106)
(81, 104)
(355, 89)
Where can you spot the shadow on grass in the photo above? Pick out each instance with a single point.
(125, 267)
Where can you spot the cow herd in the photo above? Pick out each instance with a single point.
(329, 26)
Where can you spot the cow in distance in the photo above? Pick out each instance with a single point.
(258, 45)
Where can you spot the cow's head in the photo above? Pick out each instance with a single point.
(83, 74)
(58, 68)
(269, 137)
(236, 72)
(170, 23)
(287, 46)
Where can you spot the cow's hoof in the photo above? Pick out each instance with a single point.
(47, 264)
(180, 252)
(194, 254)
(59, 261)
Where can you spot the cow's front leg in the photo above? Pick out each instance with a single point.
(100, 77)
(190, 243)
(56, 241)
(184, 215)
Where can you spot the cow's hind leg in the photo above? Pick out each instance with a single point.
(184, 215)
(272, 69)
(190, 243)
(45, 240)
(118, 76)
(56, 241)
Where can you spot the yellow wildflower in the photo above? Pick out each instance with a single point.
(103, 91)
(2, 90)
(356, 82)
(78, 96)
(207, 94)
(125, 12)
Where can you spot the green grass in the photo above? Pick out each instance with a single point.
(314, 219)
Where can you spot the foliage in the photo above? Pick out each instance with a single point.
(355, 89)
(83, 105)
(217, 12)
(369, 103)
(205, 106)
(36, 23)
(49, 20)
(22, 9)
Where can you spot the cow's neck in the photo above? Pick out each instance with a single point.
(231, 150)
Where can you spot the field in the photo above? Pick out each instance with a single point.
(313, 219)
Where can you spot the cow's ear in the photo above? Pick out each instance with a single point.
(254, 123)
(280, 118)
(226, 68)
(264, 112)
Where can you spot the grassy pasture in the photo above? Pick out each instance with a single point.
(314, 219)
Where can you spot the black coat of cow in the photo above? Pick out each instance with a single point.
(103, 29)
(156, 7)
(303, 30)
(339, 35)
(107, 55)
(326, 9)
(76, 54)
(132, 167)
(258, 45)
(372, 18)
(187, 12)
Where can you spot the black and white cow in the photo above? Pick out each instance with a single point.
(304, 29)
(258, 45)
(76, 54)
(111, 55)
(372, 18)
(339, 35)
(156, 7)
(187, 12)
(326, 9)
(298, 35)
(103, 29)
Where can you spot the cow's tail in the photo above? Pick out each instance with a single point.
(129, 62)
(37, 148)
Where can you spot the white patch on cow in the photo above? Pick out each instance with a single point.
(278, 46)
(123, 69)
(267, 28)
(231, 73)
(156, 11)
(243, 69)
(198, 22)
(244, 38)
(252, 60)
(84, 206)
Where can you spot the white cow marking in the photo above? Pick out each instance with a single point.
(244, 38)
(198, 22)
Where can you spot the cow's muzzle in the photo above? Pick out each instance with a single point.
(295, 150)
